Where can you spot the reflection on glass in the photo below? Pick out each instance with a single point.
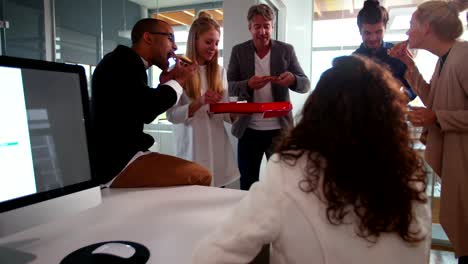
(24, 37)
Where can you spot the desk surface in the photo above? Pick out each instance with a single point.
(169, 221)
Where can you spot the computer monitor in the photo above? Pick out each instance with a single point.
(46, 170)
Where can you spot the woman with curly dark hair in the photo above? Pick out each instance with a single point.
(345, 185)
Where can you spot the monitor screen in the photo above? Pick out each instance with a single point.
(44, 134)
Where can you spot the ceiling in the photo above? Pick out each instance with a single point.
(323, 9)
(153, 4)
(333, 9)
(324, 5)
(186, 17)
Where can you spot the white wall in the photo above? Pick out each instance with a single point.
(235, 25)
(299, 16)
(236, 31)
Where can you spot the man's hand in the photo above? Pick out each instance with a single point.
(181, 72)
(233, 117)
(166, 76)
(286, 79)
(421, 116)
(257, 82)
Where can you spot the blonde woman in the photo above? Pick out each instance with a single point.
(436, 27)
(200, 136)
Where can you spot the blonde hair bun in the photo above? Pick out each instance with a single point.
(204, 14)
(458, 5)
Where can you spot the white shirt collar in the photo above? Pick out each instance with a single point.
(145, 63)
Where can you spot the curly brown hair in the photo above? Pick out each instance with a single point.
(355, 121)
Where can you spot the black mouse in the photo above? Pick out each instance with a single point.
(116, 252)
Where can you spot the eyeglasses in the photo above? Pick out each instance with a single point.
(169, 35)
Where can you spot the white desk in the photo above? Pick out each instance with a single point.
(169, 221)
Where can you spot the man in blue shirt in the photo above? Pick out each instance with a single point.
(372, 22)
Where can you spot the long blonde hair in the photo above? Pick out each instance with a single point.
(202, 24)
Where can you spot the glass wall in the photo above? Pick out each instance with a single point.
(87, 30)
(78, 32)
(82, 32)
(22, 33)
(77, 39)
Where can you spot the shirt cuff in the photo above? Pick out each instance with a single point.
(177, 88)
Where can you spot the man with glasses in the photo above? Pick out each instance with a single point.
(122, 102)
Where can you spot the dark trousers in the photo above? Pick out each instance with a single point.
(250, 149)
(463, 260)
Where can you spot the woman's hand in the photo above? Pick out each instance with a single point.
(400, 51)
(211, 97)
(421, 116)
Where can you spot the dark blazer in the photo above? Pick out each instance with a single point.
(242, 68)
(121, 103)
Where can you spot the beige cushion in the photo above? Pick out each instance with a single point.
(159, 170)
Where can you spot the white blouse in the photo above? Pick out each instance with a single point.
(202, 138)
(276, 211)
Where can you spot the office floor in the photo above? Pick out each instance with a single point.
(442, 257)
(439, 255)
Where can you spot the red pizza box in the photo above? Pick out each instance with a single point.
(273, 109)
